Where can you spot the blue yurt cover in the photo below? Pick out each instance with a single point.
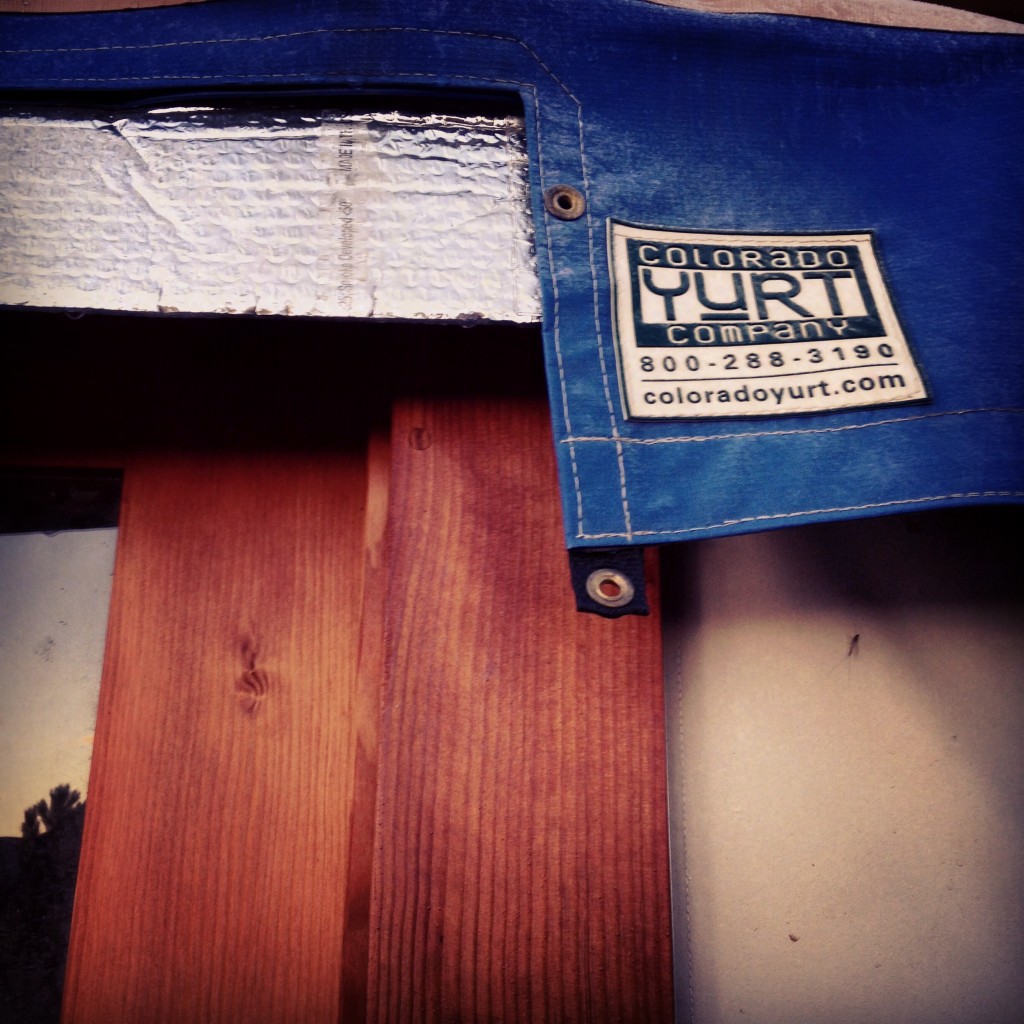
(781, 257)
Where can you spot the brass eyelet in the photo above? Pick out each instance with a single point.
(610, 588)
(564, 202)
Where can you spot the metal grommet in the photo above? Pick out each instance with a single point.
(564, 202)
(610, 588)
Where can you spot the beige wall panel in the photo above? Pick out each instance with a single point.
(848, 815)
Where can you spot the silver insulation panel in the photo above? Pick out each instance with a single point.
(331, 213)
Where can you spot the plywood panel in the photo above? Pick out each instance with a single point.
(522, 863)
(219, 834)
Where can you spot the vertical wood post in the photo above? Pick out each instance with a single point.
(522, 861)
(213, 875)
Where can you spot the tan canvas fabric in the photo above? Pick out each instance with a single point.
(896, 13)
(81, 6)
(902, 13)
(845, 709)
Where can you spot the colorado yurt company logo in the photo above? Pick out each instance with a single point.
(724, 325)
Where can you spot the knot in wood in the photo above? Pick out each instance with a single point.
(251, 687)
(420, 439)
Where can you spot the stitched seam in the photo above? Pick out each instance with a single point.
(298, 35)
(605, 383)
(726, 523)
(305, 33)
(295, 75)
(178, 42)
(556, 331)
(447, 78)
(1010, 410)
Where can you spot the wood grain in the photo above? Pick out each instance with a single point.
(522, 861)
(355, 962)
(506, 805)
(213, 876)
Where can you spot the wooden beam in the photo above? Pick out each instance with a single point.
(355, 962)
(522, 858)
(218, 837)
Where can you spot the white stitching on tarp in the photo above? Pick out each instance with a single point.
(599, 337)
(292, 76)
(304, 33)
(866, 507)
(556, 331)
(698, 439)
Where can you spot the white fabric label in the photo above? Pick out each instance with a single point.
(712, 326)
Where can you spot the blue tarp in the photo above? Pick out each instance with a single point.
(800, 240)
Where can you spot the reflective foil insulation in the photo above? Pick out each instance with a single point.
(326, 213)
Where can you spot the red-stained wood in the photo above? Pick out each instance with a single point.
(338, 776)
(218, 838)
(522, 859)
(366, 722)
